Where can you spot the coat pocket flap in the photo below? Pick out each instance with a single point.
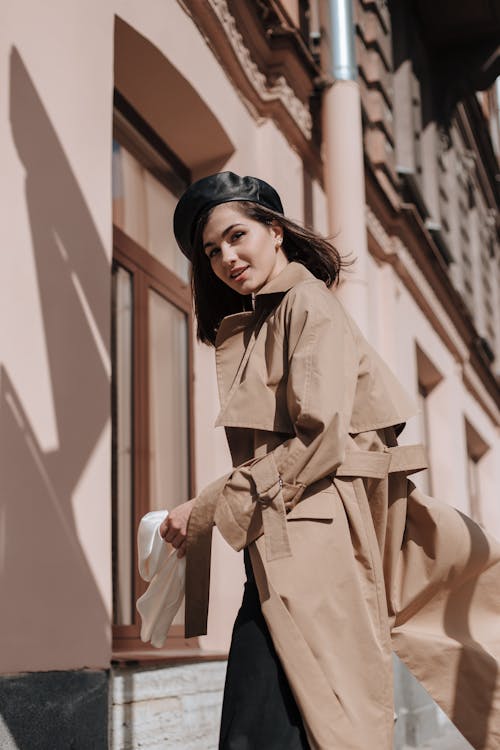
(320, 506)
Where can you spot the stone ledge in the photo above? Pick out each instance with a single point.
(175, 706)
(131, 684)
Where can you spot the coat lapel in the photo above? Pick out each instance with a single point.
(233, 345)
(237, 334)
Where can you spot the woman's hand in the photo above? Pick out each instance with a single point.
(174, 527)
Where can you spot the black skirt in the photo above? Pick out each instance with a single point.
(259, 711)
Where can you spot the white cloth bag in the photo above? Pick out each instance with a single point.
(166, 574)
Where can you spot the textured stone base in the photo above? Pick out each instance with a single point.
(54, 711)
(174, 707)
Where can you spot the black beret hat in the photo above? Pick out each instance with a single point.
(208, 192)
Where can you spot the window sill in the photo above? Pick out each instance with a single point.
(128, 647)
(164, 656)
(412, 192)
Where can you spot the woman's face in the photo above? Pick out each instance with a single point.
(243, 253)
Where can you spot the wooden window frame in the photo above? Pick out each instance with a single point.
(428, 377)
(423, 393)
(476, 448)
(147, 273)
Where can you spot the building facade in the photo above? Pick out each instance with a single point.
(378, 123)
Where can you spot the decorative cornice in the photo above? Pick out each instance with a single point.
(280, 90)
(269, 66)
(377, 230)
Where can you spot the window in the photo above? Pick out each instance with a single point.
(488, 265)
(476, 448)
(445, 169)
(412, 100)
(425, 476)
(152, 356)
(455, 209)
(428, 378)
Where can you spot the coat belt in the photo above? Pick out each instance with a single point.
(357, 463)
(270, 498)
(377, 464)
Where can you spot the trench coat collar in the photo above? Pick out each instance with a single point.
(292, 274)
(237, 336)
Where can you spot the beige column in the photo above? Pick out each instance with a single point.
(345, 189)
(343, 156)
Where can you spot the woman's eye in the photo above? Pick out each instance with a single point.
(213, 252)
(236, 236)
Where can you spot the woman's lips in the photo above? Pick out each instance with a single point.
(239, 273)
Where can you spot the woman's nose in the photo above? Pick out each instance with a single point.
(228, 254)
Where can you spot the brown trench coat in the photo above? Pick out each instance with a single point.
(351, 560)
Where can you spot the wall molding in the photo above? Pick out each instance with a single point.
(280, 90)
(269, 65)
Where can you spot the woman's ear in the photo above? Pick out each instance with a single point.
(277, 233)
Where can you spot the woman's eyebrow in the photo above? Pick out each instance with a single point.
(231, 226)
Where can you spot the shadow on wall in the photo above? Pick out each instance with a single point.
(53, 615)
(475, 666)
(455, 569)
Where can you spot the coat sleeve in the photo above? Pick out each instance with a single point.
(322, 371)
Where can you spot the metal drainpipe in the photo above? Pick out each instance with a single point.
(344, 166)
(342, 41)
(496, 128)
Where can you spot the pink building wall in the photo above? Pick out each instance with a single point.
(56, 128)
(56, 131)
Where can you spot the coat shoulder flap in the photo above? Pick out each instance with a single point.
(380, 400)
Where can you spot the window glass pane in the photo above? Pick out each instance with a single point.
(168, 408)
(129, 195)
(143, 207)
(474, 497)
(424, 477)
(161, 205)
(168, 400)
(122, 447)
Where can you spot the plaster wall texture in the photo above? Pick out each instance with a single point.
(387, 289)
(56, 127)
(55, 185)
(374, 324)
(488, 489)
(400, 328)
(282, 167)
(320, 209)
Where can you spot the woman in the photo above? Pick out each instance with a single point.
(345, 558)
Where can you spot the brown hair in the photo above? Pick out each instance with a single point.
(213, 299)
